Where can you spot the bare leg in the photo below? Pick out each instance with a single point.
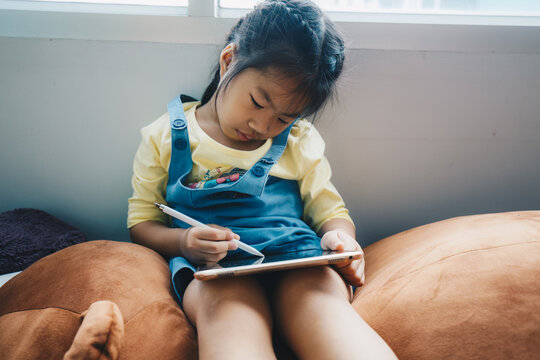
(232, 317)
(314, 313)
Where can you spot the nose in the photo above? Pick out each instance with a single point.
(259, 125)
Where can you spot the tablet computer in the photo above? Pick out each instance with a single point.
(275, 262)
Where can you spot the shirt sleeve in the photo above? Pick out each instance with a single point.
(322, 202)
(150, 174)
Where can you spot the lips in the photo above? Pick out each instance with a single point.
(243, 137)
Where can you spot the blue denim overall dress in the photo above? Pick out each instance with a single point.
(264, 210)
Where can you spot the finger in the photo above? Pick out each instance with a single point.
(353, 280)
(331, 242)
(212, 234)
(355, 261)
(357, 274)
(214, 247)
(349, 243)
(353, 273)
(348, 269)
(213, 258)
(338, 245)
(343, 264)
(334, 244)
(226, 229)
(205, 259)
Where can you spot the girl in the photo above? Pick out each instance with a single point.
(241, 159)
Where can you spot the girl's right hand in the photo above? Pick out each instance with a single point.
(203, 245)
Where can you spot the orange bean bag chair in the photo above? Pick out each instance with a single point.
(464, 288)
(43, 308)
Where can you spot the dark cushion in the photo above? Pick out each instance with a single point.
(27, 235)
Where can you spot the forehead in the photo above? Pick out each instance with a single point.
(278, 89)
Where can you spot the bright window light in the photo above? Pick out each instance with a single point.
(183, 3)
(465, 7)
(237, 4)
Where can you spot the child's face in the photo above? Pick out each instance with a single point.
(257, 106)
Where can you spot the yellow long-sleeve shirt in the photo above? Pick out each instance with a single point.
(303, 160)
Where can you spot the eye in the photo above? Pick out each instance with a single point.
(256, 103)
(283, 121)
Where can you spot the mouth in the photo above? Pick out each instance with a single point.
(243, 137)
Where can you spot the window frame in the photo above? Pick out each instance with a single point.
(208, 25)
(97, 8)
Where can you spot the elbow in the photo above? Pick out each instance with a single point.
(134, 235)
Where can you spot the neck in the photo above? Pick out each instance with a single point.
(207, 113)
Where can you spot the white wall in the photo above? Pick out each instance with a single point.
(419, 135)
(423, 136)
(71, 115)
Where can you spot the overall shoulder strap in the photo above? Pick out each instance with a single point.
(180, 151)
(177, 117)
(254, 180)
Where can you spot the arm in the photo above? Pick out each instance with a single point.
(159, 237)
(324, 209)
(198, 245)
(147, 224)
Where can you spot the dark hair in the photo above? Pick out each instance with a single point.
(293, 36)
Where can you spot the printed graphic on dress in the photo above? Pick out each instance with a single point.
(215, 177)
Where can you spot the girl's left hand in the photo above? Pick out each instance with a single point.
(352, 272)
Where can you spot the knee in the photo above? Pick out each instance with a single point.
(232, 289)
(210, 298)
(320, 280)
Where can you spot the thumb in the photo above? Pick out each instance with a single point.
(337, 245)
(331, 242)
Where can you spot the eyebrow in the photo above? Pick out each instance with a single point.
(267, 98)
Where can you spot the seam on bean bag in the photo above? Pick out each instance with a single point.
(43, 308)
(164, 300)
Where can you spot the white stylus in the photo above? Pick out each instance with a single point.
(193, 222)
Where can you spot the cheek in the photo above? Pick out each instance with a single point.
(228, 106)
(278, 129)
(227, 114)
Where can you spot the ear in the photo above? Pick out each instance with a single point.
(226, 57)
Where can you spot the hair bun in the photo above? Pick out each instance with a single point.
(293, 36)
